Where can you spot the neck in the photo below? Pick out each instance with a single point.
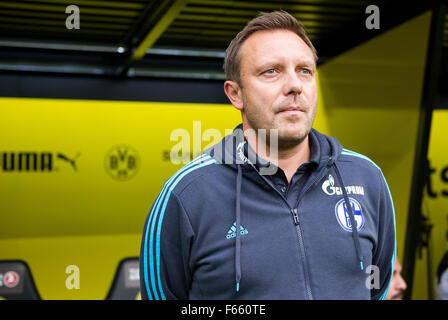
(289, 159)
(292, 158)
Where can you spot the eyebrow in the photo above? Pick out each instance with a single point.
(263, 66)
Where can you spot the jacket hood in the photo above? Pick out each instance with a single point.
(234, 150)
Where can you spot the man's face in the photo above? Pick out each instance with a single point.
(397, 285)
(278, 77)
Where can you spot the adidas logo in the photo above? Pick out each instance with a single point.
(232, 232)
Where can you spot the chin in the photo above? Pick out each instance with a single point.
(293, 134)
(291, 138)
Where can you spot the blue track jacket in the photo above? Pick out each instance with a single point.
(321, 248)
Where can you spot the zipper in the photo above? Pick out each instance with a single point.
(302, 250)
(300, 236)
(298, 230)
(296, 216)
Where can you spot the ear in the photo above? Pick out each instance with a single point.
(234, 93)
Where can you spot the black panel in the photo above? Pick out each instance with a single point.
(16, 282)
(104, 88)
(126, 284)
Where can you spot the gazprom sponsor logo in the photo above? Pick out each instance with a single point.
(240, 151)
(330, 189)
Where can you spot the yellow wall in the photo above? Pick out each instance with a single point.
(53, 219)
(436, 208)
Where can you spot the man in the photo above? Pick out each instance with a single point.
(263, 214)
(397, 285)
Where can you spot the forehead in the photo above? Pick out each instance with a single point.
(267, 45)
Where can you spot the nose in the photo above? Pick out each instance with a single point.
(401, 283)
(292, 83)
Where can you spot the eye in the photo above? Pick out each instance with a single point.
(270, 71)
(305, 71)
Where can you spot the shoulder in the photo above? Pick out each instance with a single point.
(359, 160)
(363, 165)
(199, 170)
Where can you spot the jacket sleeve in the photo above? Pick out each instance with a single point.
(385, 253)
(165, 250)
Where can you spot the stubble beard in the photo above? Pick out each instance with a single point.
(285, 140)
(290, 141)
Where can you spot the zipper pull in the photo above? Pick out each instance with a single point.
(296, 216)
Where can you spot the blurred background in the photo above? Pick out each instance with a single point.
(95, 96)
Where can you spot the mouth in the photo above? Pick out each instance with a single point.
(291, 110)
